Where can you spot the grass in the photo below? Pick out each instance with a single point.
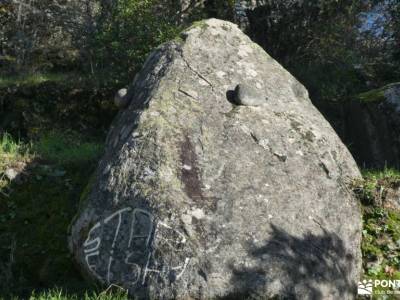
(32, 79)
(35, 214)
(72, 78)
(11, 150)
(8, 145)
(388, 173)
(59, 294)
(381, 224)
(371, 188)
(14, 155)
(66, 148)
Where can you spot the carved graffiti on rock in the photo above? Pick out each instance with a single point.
(129, 246)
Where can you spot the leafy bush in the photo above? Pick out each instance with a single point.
(131, 30)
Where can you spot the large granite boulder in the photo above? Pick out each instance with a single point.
(197, 197)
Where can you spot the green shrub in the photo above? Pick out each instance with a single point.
(132, 29)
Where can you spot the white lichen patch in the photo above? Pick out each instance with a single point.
(187, 167)
(198, 213)
(186, 219)
(154, 114)
(251, 72)
(220, 74)
(264, 143)
(244, 50)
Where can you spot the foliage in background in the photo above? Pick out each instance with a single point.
(379, 43)
(42, 35)
(324, 43)
(30, 104)
(218, 9)
(126, 34)
(316, 40)
(132, 29)
(86, 36)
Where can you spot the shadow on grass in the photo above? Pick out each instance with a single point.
(35, 213)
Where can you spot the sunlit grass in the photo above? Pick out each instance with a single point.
(59, 294)
(386, 173)
(56, 148)
(32, 79)
(373, 182)
(63, 148)
(381, 224)
(52, 171)
(100, 78)
(12, 152)
(10, 147)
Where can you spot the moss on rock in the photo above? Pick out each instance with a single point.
(376, 95)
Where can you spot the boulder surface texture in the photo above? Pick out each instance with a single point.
(199, 198)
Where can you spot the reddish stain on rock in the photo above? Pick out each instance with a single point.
(190, 175)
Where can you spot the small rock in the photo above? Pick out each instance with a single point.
(11, 174)
(121, 99)
(186, 219)
(220, 74)
(248, 96)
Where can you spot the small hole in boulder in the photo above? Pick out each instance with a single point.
(230, 96)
